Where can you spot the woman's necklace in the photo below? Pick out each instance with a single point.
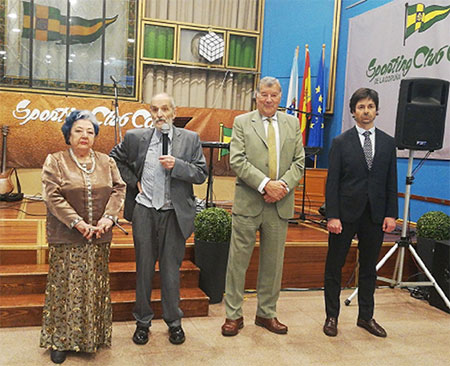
(83, 166)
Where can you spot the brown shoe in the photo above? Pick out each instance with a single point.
(330, 327)
(271, 324)
(231, 327)
(372, 327)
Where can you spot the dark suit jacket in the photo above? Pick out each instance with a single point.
(350, 184)
(190, 167)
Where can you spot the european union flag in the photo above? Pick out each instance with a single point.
(315, 137)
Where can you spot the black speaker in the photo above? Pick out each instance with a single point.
(421, 109)
(441, 273)
(425, 250)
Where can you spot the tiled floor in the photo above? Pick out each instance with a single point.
(418, 334)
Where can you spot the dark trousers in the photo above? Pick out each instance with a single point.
(370, 238)
(157, 236)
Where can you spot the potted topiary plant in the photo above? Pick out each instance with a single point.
(212, 233)
(433, 231)
(432, 226)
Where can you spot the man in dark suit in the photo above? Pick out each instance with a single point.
(267, 155)
(161, 205)
(361, 198)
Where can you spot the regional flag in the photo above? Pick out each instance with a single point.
(87, 30)
(305, 97)
(225, 136)
(47, 22)
(50, 25)
(420, 18)
(432, 15)
(292, 96)
(315, 138)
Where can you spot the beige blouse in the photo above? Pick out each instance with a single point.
(72, 195)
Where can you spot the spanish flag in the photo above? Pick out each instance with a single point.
(50, 25)
(304, 106)
(420, 18)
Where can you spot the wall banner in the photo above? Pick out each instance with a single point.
(396, 41)
(35, 121)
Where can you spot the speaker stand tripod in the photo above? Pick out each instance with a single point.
(403, 244)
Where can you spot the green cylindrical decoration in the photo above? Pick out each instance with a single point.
(165, 31)
(232, 52)
(150, 41)
(169, 45)
(161, 43)
(247, 46)
(252, 62)
(239, 53)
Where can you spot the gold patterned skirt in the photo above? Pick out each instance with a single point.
(77, 312)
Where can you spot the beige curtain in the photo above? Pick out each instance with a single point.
(199, 88)
(242, 14)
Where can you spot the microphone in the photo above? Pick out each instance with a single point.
(165, 128)
(120, 227)
(114, 80)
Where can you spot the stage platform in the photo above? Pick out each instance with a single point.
(24, 258)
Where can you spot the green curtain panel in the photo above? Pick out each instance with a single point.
(158, 42)
(242, 51)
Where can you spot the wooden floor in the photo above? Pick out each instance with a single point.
(24, 258)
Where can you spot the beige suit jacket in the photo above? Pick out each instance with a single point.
(249, 160)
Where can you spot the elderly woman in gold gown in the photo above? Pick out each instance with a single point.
(83, 192)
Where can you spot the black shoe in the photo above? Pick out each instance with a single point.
(140, 336)
(176, 335)
(57, 356)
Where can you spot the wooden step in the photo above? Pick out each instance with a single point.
(26, 310)
(31, 253)
(122, 275)
(20, 279)
(193, 302)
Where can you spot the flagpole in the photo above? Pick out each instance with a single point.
(220, 139)
(406, 23)
(323, 52)
(297, 49)
(280, 108)
(323, 61)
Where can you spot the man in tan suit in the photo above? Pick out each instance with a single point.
(267, 155)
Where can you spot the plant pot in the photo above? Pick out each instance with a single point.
(212, 259)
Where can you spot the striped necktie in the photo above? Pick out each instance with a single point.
(272, 147)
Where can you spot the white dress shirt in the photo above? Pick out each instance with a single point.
(277, 143)
(362, 137)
